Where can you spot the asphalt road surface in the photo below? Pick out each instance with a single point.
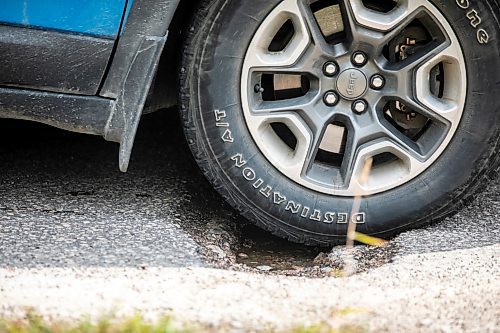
(64, 203)
(66, 210)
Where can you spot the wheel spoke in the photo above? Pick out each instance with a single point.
(379, 21)
(266, 108)
(315, 32)
(291, 161)
(304, 107)
(369, 141)
(306, 126)
(450, 105)
(299, 116)
(316, 139)
(275, 64)
(414, 84)
(385, 176)
(378, 29)
(261, 57)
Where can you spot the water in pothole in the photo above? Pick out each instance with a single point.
(260, 249)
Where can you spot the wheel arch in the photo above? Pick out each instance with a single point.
(165, 89)
(143, 69)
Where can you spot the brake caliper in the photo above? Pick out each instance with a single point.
(408, 43)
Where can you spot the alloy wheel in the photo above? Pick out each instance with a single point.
(329, 84)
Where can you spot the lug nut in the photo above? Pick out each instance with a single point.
(359, 58)
(330, 68)
(331, 98)
(359, 106)
(377, 82)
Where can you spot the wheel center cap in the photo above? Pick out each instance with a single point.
(352, 83)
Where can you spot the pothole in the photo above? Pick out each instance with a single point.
(234, 244)
(261, 252)
(265, 252)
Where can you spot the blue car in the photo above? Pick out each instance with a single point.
(316, 119)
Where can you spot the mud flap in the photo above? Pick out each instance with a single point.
(124, 119)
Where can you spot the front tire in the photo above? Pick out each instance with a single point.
(278, 169)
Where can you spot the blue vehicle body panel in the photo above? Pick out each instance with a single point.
(90, 17)
(127, 13)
